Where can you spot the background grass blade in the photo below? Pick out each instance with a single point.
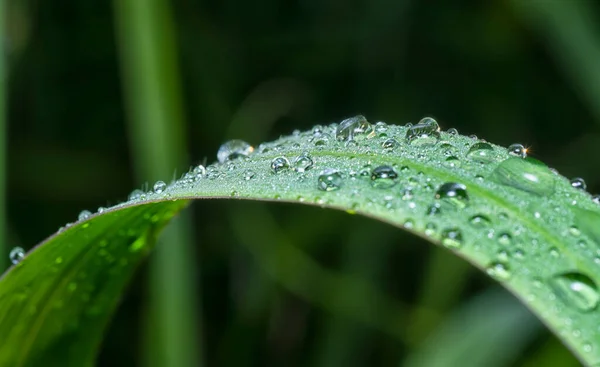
(4, 246)
(526, 226)
(149, 63)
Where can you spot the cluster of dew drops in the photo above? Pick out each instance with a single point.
(574, 288)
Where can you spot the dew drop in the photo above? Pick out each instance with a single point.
(452, 238)
(453, 193)
(527, 175)
(517, 150)
(434, 209)
(83, 215)
(504, 239)
(159, 187)
(425, 133)
(249, 174)
(498, 270)
(452, 162)
(383, 177)
(233, 149)
(135, 195)
(389, 144)
(596, 199)
(452, 131)
(349, 128)
(430, 229)
(199, 171)
(280, 164)
(482, 152)
(329, 180)
(16, 255)
(578, 183)
(577, 290)
(303, 163)
(480, 221)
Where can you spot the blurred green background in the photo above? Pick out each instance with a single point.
(106, 97)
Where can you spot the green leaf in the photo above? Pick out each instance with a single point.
(520, 222)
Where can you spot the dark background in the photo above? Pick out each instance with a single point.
(504, 71)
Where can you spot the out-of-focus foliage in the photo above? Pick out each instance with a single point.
(259, 70)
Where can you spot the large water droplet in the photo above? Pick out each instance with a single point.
(384, 177)
(482, 152)
(527, 174)
(517, 150)
(352, 127)
(303, 163)
(453, 193)
(16, 255)
(159, 187)
(279, 164)
(577, 290)
(329, 180)
(234, 149)
(425, 133)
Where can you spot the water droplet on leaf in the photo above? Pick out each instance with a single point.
(159, 187)
(383, 177)
(349, 128)
(303, 163)
(482, 152)
(425, 133)
(233, 149)
(578, 183)
(517, 150)
(453, 193)
(16, 255)
(389, 144)
(83, 215)
(452, 238)
(329, 180)
(577, 290)
(527, 175)
(498, 270)
(279, 164)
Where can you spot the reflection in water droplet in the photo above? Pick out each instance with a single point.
(329, 180)
(85, 214)
(425, 133)
(527, 174)
(159, 187)
(453, 193)
(517, 150)
(303, 163)
(16, 255)
(279, 164)
(578, 183)
(576, 290)
(383, 177)
(481, 152)
(498, 270)
(233, 149)
(349, 128)
(452, 238)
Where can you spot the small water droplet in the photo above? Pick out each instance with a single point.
(280, 164)
(233, 149)
(159, 187)
(199, 171)
(452, 131)
(505, 239)
(351, 127)
(452, 238)
(430, 229)
(434, 209)
(303, 163)
(407, 194)
(527, 175)
(480, 221)
(425, 133)
(383, 177)
(249, 174)
(517, 150)
(578, 183)
(83, 215)
(596, 199)
(135, 195)
(390, 144)
(498, 270)
(453, 193)
(577, 290)
(16, 255)
(482, 152)
(329, 180)
(452, 162)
